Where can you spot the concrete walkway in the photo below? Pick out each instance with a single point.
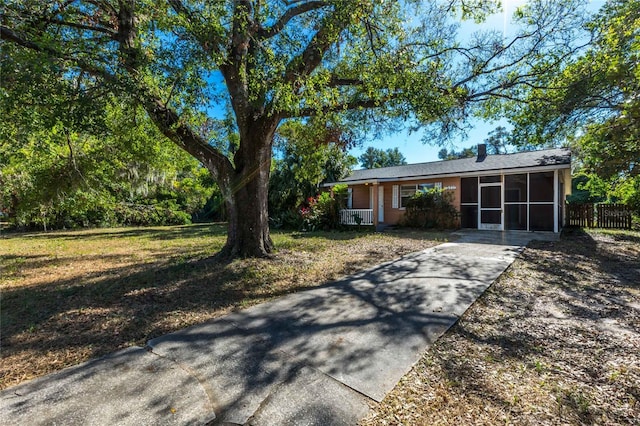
(317, 357)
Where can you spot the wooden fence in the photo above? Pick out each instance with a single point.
(599, 216)
(614, 216)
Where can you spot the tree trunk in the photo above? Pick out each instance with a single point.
(247, 197)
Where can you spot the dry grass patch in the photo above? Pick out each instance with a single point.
(70, 296)
(556, 340)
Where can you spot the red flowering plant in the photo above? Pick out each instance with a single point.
(320, 212)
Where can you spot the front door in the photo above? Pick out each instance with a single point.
(381, 204)
(490, 211)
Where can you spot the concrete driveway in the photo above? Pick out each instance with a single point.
(317, 357)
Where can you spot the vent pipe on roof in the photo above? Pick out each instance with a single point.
(482, 151)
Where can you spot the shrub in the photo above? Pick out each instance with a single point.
(322, 212)
(432, 208)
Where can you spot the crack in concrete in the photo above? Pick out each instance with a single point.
(212, 406)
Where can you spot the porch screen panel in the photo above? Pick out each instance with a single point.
(541, 192)
(490, 179)
(541, 217)
(469, 190)
(490, 216)
(490, 197)
(515, 216)
(469, 202)
(541, 187)
(515, 190)
(469, 216)
(516, 201)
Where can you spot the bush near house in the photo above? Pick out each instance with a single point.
(431, 209)
(323, 213)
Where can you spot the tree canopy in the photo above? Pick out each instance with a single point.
(267, 61)
(593, 104)
(594, 100)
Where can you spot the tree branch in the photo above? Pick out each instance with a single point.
(345, 106)
(167, 120)
(79, 26)
(339, 82)
(303, 64)
(209, 44)
(291, 13)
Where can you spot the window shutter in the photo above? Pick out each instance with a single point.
(395, 196)
(350, 198)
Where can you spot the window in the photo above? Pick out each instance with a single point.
(408, 191)
(426, 186)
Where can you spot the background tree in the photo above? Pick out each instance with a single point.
(59, 177)
(497, 141)
(445, 154)
(395, 158)
(374, 158)
(273, 60)
(72, 155)
(593, 102)
(308, 154)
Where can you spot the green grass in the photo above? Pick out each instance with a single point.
(68, 296)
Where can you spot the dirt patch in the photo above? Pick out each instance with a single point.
(556, 340)
(71, 296)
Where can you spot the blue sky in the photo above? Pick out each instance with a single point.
(411, 145)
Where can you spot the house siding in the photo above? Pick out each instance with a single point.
(360, 196)
(449, 174)
(393, 216)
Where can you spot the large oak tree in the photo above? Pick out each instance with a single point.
(266, 61)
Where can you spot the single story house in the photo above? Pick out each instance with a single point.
(522, 191)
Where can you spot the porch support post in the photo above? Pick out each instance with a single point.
(375, 204)
(555, 201)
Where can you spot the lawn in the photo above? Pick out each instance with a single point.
(556, 340)
(70, 296)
